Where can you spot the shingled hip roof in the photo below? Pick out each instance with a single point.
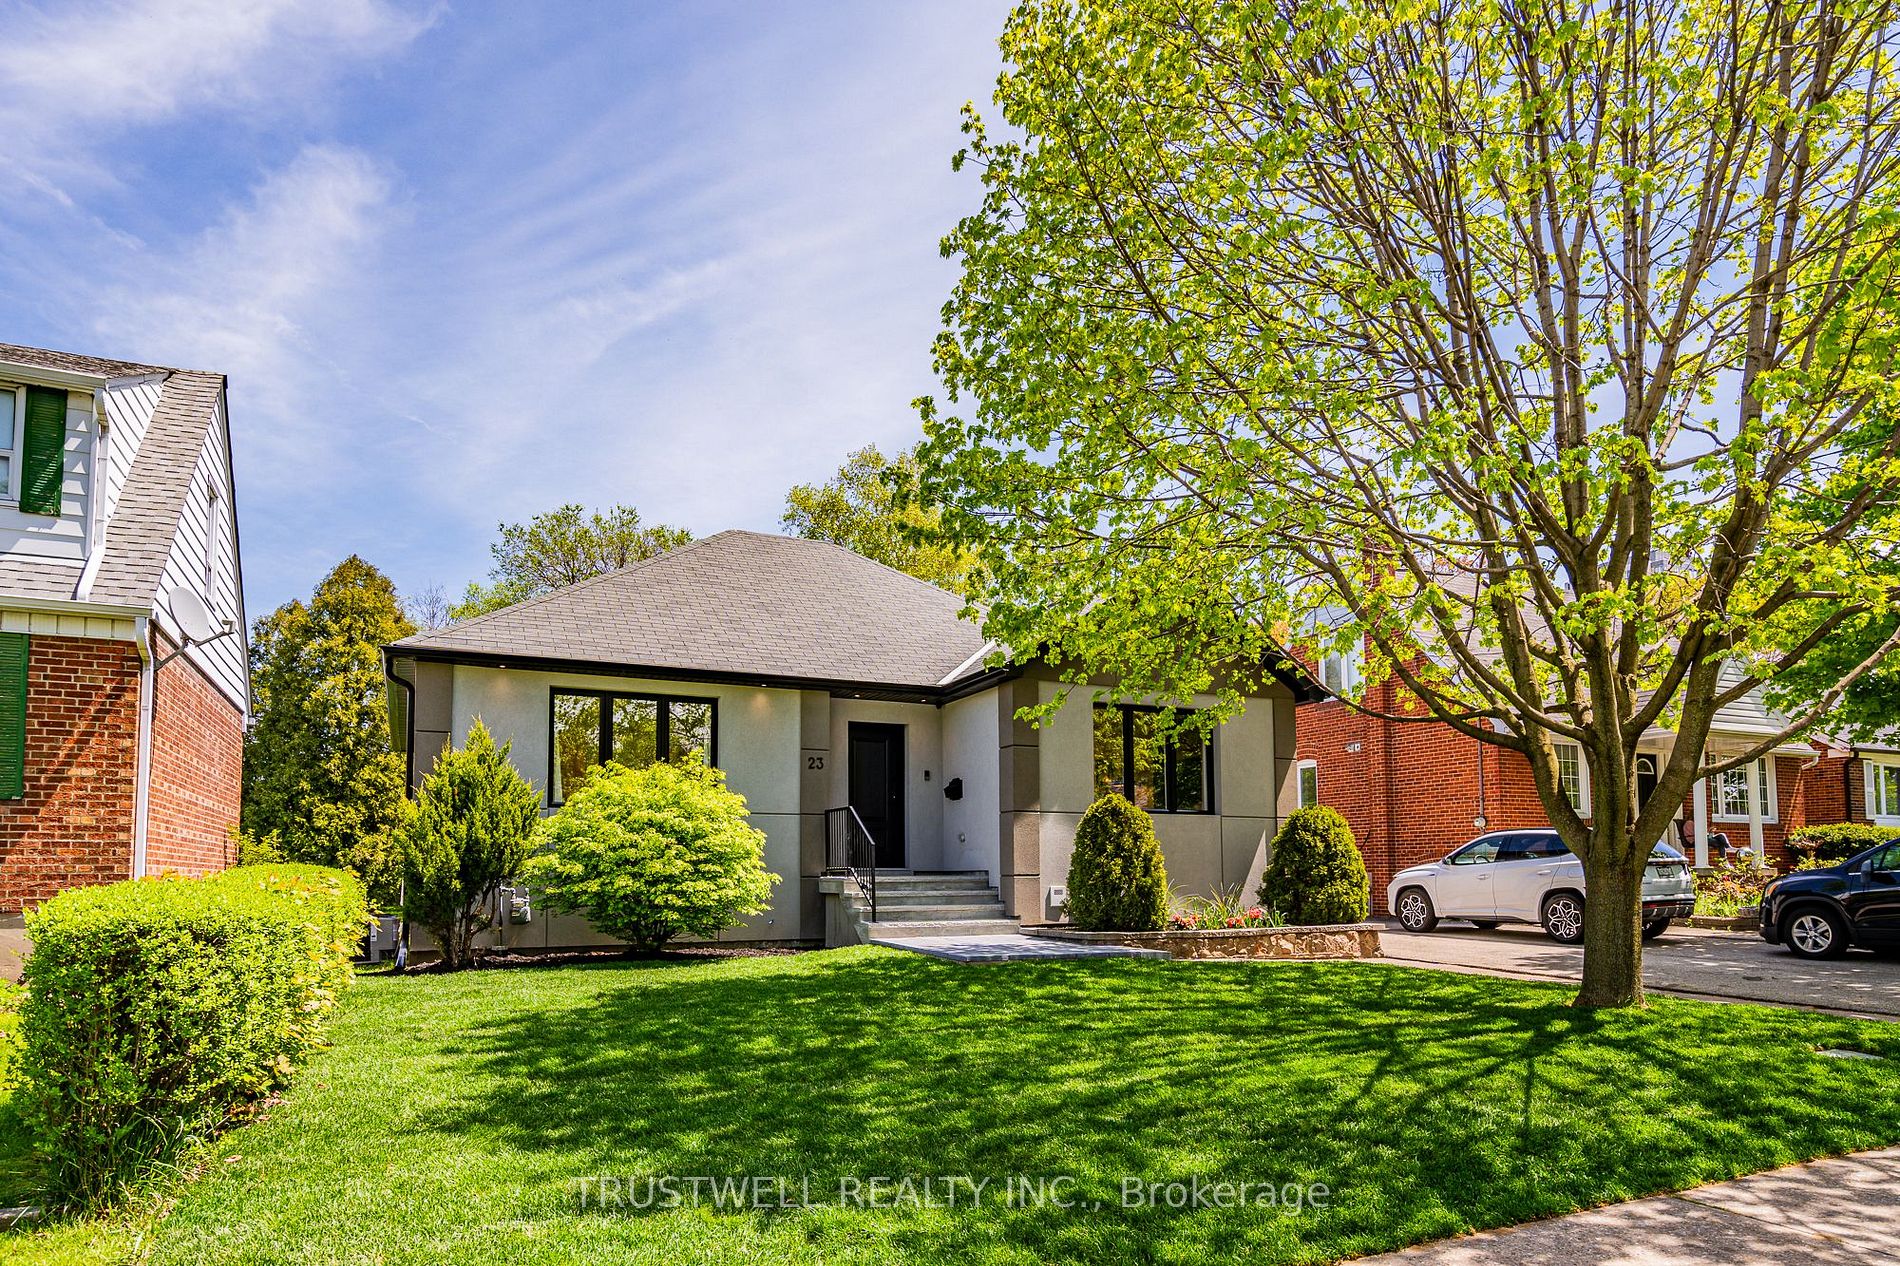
(737, 604)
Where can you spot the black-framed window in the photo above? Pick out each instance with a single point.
(592, 727)
(1160, 773)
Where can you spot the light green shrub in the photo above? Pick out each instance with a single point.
(652, 854)
(155, 1008)
(1834, 842)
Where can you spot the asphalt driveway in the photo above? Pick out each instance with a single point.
(1728, 965)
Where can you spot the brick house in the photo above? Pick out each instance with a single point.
(1414, 790)
(120, 736)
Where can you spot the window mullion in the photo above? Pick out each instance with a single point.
(1128, 752)
(1168, 797)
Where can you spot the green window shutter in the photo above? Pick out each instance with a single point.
(13, 654)
(43, 454)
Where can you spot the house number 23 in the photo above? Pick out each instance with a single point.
(814, 762)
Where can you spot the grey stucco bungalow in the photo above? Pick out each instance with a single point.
(822, 682)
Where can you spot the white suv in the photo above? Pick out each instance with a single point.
(1529, 877)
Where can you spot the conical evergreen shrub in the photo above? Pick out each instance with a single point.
(1117, 882)
(1317, 874)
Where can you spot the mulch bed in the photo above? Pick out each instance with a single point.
(498, 959)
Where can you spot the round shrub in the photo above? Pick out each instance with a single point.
(1317, 874)
(1117, 882)
(652, 854)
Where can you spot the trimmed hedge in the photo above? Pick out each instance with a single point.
(156, 1008)
(1838, 841)
(1117, 882)
(1316, 875)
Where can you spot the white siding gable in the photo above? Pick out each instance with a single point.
(129, 406)
(204, 560)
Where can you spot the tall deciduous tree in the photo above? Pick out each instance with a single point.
(562, 547)
(320, 778)
(872, 507)
(1546, 346)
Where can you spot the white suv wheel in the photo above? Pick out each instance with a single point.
(1563, 918)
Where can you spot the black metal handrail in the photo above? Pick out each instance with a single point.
(850, 850)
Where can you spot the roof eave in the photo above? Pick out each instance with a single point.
(902, 691)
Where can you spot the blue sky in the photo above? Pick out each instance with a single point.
(465, 262)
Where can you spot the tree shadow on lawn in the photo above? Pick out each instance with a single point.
(1427, 1103)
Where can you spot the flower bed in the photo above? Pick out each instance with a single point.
(1333, 940)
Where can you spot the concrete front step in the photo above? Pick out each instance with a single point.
(888, 929)
(959, 912)
(947, 883)
(932, 896)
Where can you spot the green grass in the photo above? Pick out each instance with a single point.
(455, 1113)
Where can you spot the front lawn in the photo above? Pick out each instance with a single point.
(457, 1115)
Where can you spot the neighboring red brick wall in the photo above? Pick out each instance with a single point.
(197, 764)
(74, 825)
(1412, 789)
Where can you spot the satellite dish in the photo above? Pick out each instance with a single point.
(191, 615)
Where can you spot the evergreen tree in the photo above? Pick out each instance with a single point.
(471, 831)
(321, 782)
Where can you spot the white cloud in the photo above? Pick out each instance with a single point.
(74, 79)
(248, 295)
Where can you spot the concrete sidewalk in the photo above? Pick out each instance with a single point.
(1841, 1212)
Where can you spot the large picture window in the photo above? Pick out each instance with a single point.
(592, 727)
(1172, 774)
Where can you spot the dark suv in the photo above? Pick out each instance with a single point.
(1819, 913)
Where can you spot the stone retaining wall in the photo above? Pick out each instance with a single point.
(1341, 940)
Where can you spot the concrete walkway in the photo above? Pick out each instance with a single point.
(1842, 1212)
(1011, 947)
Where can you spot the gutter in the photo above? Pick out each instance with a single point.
(72, 606)
(142, 792)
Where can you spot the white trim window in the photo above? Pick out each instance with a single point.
(1731, 792)
(1341, 672)
(1883, 792)
(12, 428)
(1571, 768)
(213, 535)
(1307, 774)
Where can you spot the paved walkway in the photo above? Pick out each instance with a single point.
(1008, 948)
(1842, 1212)
(1732, 966)
(12, 949)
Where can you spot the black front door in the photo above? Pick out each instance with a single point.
(877, 786)
(1645, 780)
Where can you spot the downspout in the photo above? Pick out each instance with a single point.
(408, 726)
(409, 790)
(142, 787)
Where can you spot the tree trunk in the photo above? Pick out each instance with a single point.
(1612, 926)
